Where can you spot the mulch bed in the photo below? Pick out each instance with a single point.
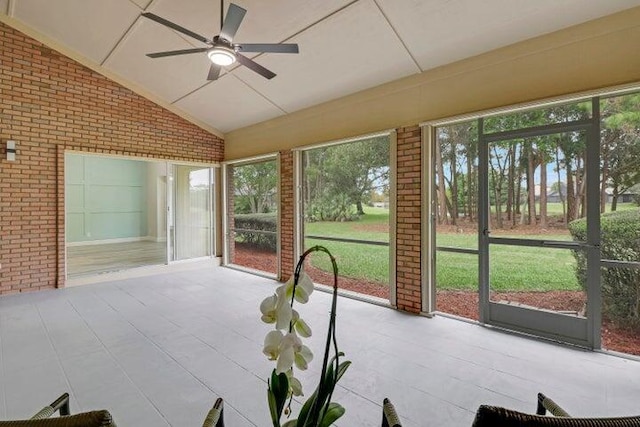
(459, 303)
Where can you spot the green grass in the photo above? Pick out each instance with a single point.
(369, 227)
(512, 268)
(354, 260)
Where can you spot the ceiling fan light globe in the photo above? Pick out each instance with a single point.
(222, 56)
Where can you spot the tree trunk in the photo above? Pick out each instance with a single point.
(614, 198)
(531, 193)
(359, 209)
(510, 183)
(571, 206)
(560, 195)
(442, 195)
(454, 186)
(470, 192)
(543, 192)
(496, 197)
(605, 176)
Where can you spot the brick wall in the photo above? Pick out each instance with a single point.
(286, 215)
(49, 104)
(408, 222)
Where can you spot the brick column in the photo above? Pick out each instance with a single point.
(287, 211)
(408, 219)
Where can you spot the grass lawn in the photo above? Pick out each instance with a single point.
(512, 268)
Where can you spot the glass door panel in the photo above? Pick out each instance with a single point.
(536, 188)
(191, 199)
(535, 184)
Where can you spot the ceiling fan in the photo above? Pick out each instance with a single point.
(220, 49)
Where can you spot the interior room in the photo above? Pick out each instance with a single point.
(429, 210)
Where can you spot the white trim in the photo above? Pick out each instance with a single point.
(279, 218)
(118, 240)
(343, 141)
(427, 245)
(253, 159)
(393, 207)
(298, 208)
(141, 158)
(580, 96)
(225, 215)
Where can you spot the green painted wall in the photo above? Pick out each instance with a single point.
(105, 198)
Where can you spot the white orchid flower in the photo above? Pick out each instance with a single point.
(284, 313)
(272, 344)
(277, 309)
(301, 327)
(268, 309)
(292, 351)
(294, 384)
(287, 350)
(303, 289)
(303, 357)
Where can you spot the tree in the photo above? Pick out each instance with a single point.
(255, 187)
(620, 151)
(349, 173)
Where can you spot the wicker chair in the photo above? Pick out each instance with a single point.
(491, 416)
(85, 419)
(100, 418)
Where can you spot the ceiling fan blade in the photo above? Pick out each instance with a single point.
(255, 66)
(235, 15)
(176, 27)
(214, 72)
(177, 52)
(269, 47)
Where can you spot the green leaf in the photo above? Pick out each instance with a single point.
(278, 393)
(321, 394)
(342, 369)
(273, 408)
(290, 423)
(334, 412)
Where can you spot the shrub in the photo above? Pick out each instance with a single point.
(257, 230)
(620, 240)
(331, 208)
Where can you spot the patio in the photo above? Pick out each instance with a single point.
(157, 351)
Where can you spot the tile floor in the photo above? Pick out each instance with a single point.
(157, 350)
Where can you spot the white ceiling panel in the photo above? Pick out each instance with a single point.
(228, 104)
(345, 45)
(265, 22)
(142, 3)
(439, 32)
(89, 27)
(170, 78)
(350, 51)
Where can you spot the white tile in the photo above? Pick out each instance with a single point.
(117, 358)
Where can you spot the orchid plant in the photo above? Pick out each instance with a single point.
(284, 346)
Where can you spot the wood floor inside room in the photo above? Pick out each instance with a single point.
(157, 351)
(88, 260)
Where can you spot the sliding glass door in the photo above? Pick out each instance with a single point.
(191, 212)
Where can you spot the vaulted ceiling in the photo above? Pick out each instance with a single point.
(345, 45)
